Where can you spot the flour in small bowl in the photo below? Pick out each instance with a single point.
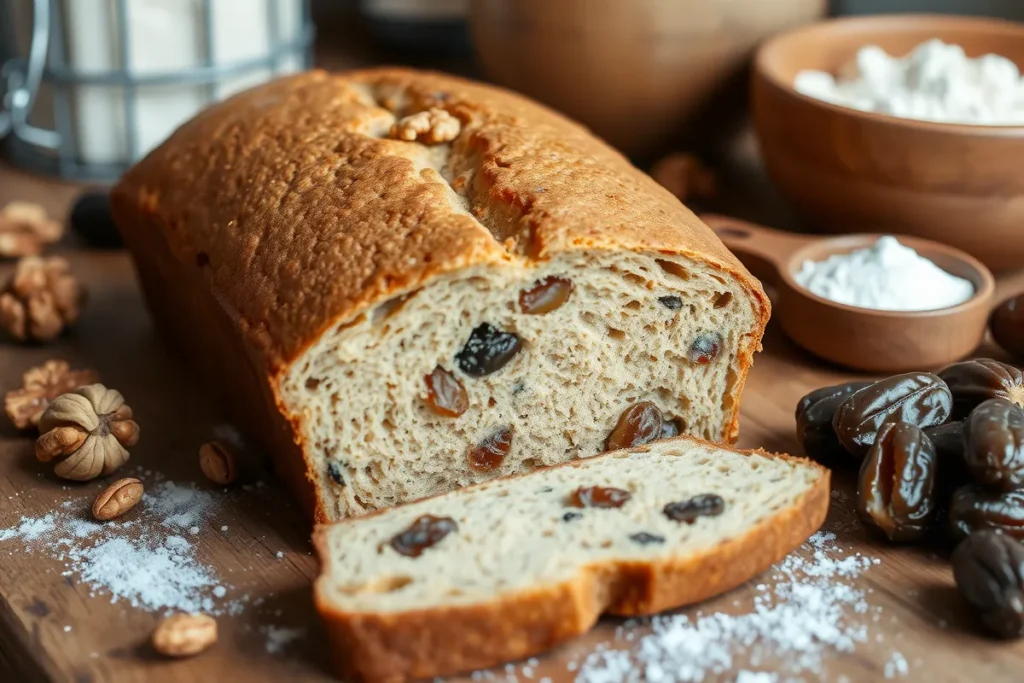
(935, 82)
(887, 276)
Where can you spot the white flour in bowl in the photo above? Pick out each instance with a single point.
(886, 276)
(935, 82)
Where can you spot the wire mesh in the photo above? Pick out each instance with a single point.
(52, 98)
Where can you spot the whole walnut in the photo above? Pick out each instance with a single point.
(25, 229)
(88, 430)
(40, 300)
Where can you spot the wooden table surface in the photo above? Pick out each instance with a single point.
(921, 615)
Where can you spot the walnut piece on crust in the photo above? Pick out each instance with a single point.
(25, 230)
(40, 299)
(685, 176)
(88, 431)
(431, 127)
(40, 385)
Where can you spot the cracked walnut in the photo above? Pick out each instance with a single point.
(40, 299)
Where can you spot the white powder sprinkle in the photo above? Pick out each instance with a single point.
(67, 629)
(228, 433)
(137, 561)
(896, 666)
(179, 505)
(278, 638)
(279, 555)
(224, 528)
(794, 623)
(194, 530)
(755, 677)
(29, 529)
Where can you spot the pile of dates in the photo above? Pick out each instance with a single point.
(937, 452)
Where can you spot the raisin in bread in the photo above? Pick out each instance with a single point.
(386, 271)
(509, 568)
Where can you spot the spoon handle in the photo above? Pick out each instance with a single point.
(765, 251)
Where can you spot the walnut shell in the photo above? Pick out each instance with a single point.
(89, 428)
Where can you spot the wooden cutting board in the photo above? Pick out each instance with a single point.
(57, 628)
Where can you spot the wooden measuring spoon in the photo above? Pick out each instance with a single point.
(862, 338)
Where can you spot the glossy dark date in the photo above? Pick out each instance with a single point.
(948, 440)
(917, 398)
(994, 444)
(973, 382)
(896, 492)
(1007, 325)
(989, 572)
(974, 508)
(814, 415)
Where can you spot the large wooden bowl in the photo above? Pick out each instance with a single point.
(852, 171)
(637, 72)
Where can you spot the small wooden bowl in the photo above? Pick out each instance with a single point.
(847, 170)
(862, 338)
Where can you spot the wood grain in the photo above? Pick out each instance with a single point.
(108, 642)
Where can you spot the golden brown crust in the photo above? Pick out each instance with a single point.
(285, 211)
(282, 196)
(393, 648)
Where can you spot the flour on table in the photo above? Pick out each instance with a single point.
(886, 276)
(810, 611)
(29, 529)
(935, 82)
(756, 677)
(278, 638)
(896, 666)
(142, 561)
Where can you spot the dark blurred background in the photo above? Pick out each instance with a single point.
(650, 76)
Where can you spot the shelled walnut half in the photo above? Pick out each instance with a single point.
(431, 127)
(40, 385)
(25, 230)
(40, 300)
(88, 430)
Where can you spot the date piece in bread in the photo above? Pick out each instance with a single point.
(516, 567)
(382, 272)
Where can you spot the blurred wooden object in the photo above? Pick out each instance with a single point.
(852, 171)
(637, 72)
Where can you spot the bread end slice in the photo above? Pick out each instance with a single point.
(392, 618)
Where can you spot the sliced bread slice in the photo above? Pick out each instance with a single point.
(509, 568)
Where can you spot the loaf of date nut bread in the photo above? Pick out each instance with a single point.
(405, 282)
(506, 569)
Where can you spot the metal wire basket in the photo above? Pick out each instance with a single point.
(95, 84)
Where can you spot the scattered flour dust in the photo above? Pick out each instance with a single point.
(146, 561)
(278, 638)
(812, 610)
